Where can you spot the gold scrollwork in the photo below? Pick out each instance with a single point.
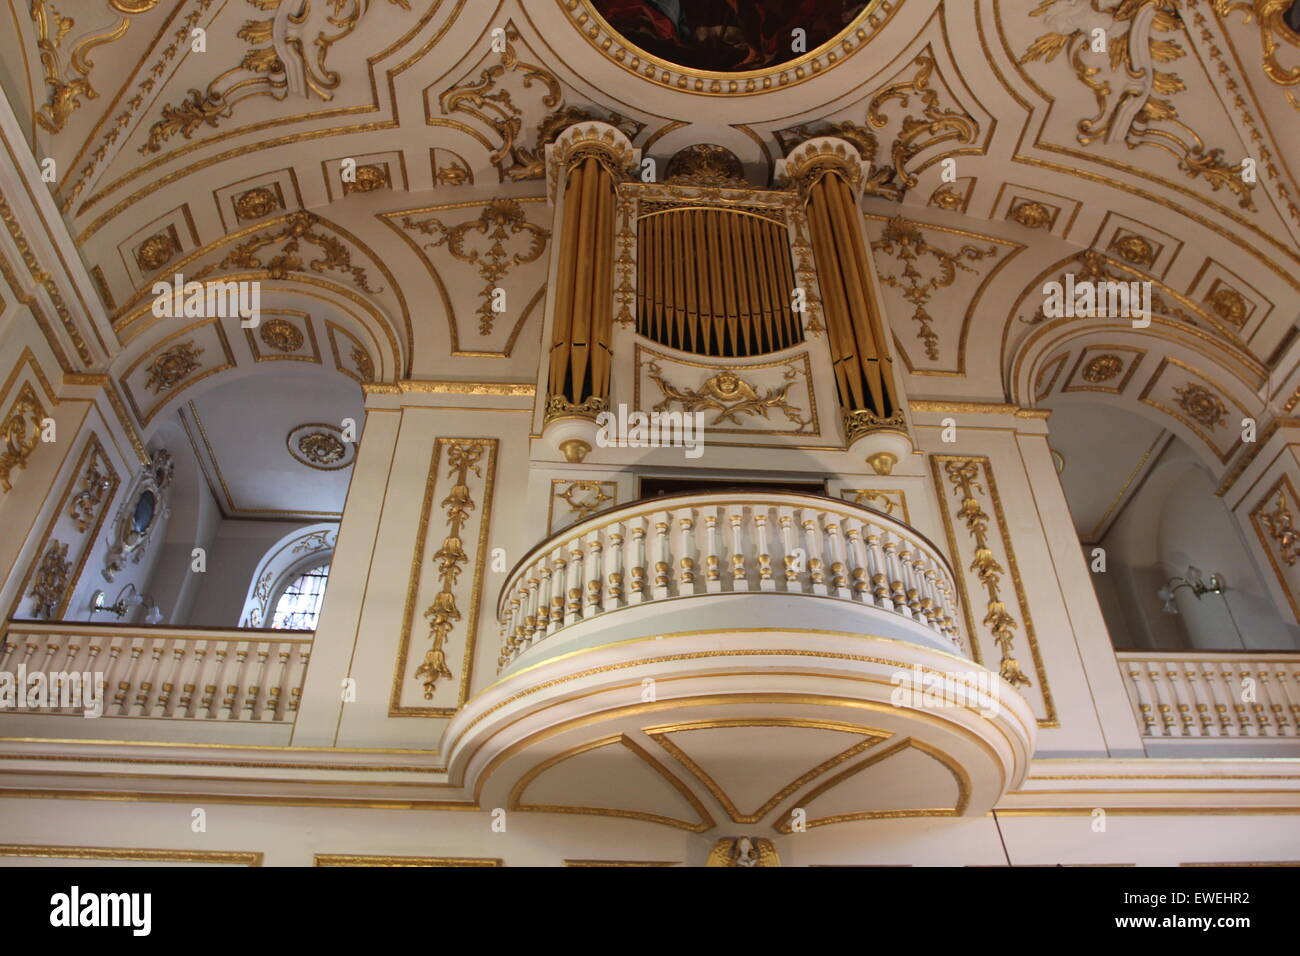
(293, 231)
(500, 221)
(66, 90)
(1271, 17)
(275, 64)
(94, 485)
(20, 432)
(1202, 404)
(51, 581)
(171, 367)
(442, 615)
(904, 241)
(1137, 107)
(731, 396)
(964, 476)
(583, 497)
(1278, 521)
(935, 125)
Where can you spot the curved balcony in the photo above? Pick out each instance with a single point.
(698, 545)
(760, 661)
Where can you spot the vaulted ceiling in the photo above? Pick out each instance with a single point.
(1013, 147)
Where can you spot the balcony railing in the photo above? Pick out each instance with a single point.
(185, 673)
(701, 544)
(1208, 694)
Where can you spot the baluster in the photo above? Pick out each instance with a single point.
(595, 574)
(686, 561)
(300, 676)
(70, 652)
(152, 669)
(559, 575)
(7, 651)
(162, 702)
(573, 586)
(897, 594)
(189, 689)
(765, 581)
(662, 567)
(1160, 695)
(546, 582)
(930, 603)
(1203, 700)
(1233, 681)
(532, 607)
(127, 667)
(839, 576)
(739, 573)
(1222, 697)
(1142, 699)
(614, 568)
(795, 565)
(637, 585)
(878, 568)
(813, 544)
(860, 571)
(713, 551)
(251, 701)
(275, 696)
(212, 691)
(1182, 700)
(1289, 696)
(1258, 709)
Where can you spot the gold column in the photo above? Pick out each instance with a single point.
(828, 172)
(589, 163)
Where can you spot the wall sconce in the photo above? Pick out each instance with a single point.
(1192, 579)
(127, 598)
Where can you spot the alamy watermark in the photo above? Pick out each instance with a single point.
(1110, 300)
(979, 690)
(37, 690)
(632, 429)
(212, 299)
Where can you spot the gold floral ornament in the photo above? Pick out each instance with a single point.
(590, 495)
(946, 197)
(731, 396)
(482, 99)
(1201, 404)
(705, 164)
(501, 223)
(257, 203)
(20, 432)
(369, 178)
(1032, 214)
(156, 251)
(1278, 522)
(296, 229)
(1135, 249)
(1133, 98)
(281, 335)
(172, 366)
(51, 581)
(322, 448)
(904, 241)
(94, 485)
(1273, 27)
(443, 613)
(66, 87)
(964, 476)
(1102, 368)
(279, 61)
(365, 365)
(916, 134)
(1228, 304)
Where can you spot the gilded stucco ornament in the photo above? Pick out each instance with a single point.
(705, 164)
(730, 396)
(903, 241)
(171, 367)
(964, 476)
(1280, 525)
(1135, 249)
(156, 251)
(142, 511)
(1228, 304)
(51, 581)
(1134, 99)
(281, 335)
(369, 178)
(1275, 35)
(320, 446)
(1031, 214)
(257, 203)
(67, 84)
(94, 485)
(502, 224)
(290, 233)
(1201, 404)
(1102, 368)
(20, 433)
(743, 851)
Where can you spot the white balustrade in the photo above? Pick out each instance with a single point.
(1205, 694)
(705, 544)
(183, 673)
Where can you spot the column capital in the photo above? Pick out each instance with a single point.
(811, 157)
(608, 145)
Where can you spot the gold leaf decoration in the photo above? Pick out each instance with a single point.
(51, 581)
(293, 231)
(731, 396)
(20, 432)
(1201, 404)
(170, 368)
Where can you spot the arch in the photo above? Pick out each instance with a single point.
(288, 557)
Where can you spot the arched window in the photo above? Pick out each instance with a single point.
(298, 606)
